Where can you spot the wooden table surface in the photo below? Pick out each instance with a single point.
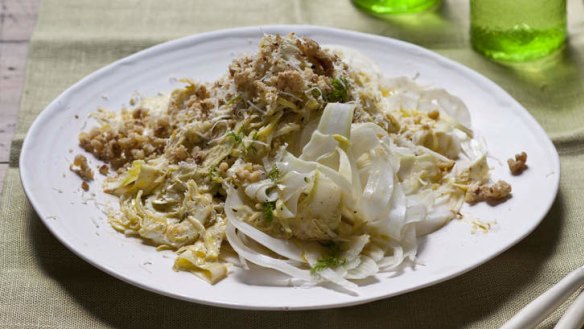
(17, 20)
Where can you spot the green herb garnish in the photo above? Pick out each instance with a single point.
(268, 210)
(327, 262)
(340, 92)
(274, 173)
(333, 260)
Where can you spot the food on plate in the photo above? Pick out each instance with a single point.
(519, 164)
(104, 170)
(82, 169)
(302, 159)
(491, 193)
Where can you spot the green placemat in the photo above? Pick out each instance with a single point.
(42, 284)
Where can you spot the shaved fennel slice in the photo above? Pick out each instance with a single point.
(319, 213)
(377, 194)
(407, 248)
(397, 214)
(473, 149)
(367, 267)
(336, 119)
(474, 166)
(319, 147)
(282, 247)
(333, 129)
(259, 191)
(291, 163)
(364, 138)
(292, 186)
(356, 246)
(263, 260)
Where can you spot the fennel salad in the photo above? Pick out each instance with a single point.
(302, 159)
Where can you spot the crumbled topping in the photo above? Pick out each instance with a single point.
(104, 170)
(126, 140)
(518, 165)
(492, 194)
(81, 168)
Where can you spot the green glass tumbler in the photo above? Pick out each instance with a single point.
(517, 30)
(394, 6)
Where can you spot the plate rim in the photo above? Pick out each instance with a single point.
(44, 115)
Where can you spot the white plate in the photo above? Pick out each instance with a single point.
(73, 217)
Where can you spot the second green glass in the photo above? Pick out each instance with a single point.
(518, 30)
(394, 6)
